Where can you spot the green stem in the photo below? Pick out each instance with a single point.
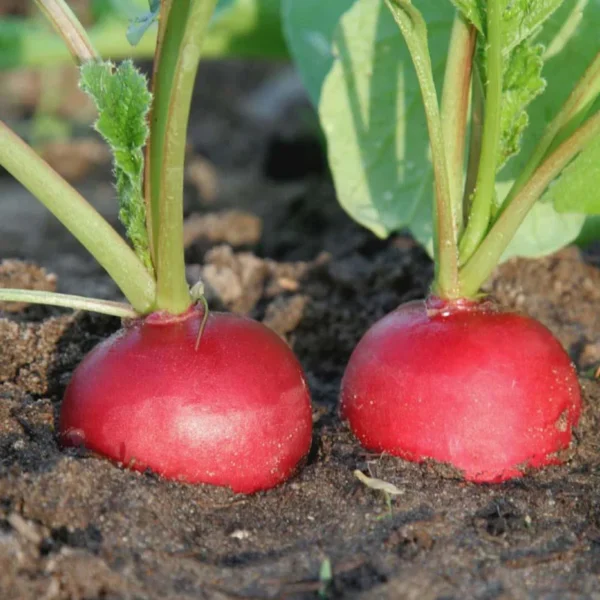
(67, 25)
(481, 208)
(571, 115)
(105, 307)
(475, 141)
(485, 259)
(185, 23)
(414, 30)
(455, 106)
(80, 218)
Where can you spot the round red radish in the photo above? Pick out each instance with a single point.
(490, 393)
(235, 412)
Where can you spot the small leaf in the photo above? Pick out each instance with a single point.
(139, 25)
(522, 83)
(541, 232)
(123, 101)
(378, 484)
(577, 188)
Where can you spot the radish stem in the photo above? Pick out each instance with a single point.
(455, 106)
(67, 25)
(475, 141)
(105, 307)
(413, 28)
(566, 121)
(80, 218)
(182, 30)
(487, 256)
(479, 215)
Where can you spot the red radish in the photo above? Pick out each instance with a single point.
(235, 413)
(488, 392)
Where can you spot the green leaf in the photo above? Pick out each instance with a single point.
(523, 62)
(139, 25)
(123, 101)
(13, 33)
(522, 83)
(373, 119)
(563, 69)
(576, 190)
(309, 26)
(372, 114)
(543, 231)
(521, 18)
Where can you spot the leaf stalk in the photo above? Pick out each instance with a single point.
(481, 207)
(571, 115)
(68, 26)
(487, 256)
(455, 107)
(80, 218)
(105, 307)
(414, 30)
(182, 29)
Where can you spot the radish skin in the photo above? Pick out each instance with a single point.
(491, 393)
(234, 413)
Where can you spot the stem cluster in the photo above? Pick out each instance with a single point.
(483, 234)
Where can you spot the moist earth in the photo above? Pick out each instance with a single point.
(267, 237)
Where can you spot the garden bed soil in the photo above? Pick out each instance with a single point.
(73, 526)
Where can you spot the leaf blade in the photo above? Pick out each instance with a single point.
(375, 126)
(122, 98)
(576, 190)
(309, 27)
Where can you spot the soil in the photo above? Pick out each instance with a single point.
(73, 526)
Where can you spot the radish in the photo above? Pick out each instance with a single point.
(192, 396)
(235, 412)
(453, 378)
(491, 393)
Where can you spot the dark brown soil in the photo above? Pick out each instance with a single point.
(73, 526)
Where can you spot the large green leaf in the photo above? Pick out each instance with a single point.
(374, 121)
(309, 26)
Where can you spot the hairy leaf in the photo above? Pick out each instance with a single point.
(523, 62)
(565, 66)
(520, 18)
(522, 83)
(123, 100)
